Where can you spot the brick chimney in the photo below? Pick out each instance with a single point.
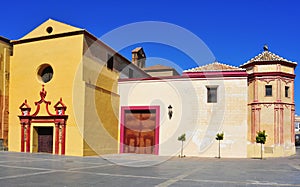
(138, 57)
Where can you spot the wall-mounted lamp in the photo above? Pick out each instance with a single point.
(170, 113)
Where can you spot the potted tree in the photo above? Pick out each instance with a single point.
(261, 138)
(219, 137)
(182, 139)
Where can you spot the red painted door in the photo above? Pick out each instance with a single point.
(140, 132)
(45, 139)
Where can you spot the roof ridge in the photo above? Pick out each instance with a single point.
(215, 66)
(267, 56)
(158, 65)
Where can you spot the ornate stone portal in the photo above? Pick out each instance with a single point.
(59, 119)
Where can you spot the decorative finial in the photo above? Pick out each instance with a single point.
(43, 93)
(266, 48)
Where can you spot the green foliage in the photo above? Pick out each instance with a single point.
(220, 136)
(181, 138)
(261, 137)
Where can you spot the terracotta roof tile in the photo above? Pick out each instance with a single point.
(157, 67)
(267, 56)
(215, 66)
(137, 49)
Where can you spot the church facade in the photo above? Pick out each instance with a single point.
(64, 99)
(69, 93)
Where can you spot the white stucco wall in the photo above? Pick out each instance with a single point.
(201, 121)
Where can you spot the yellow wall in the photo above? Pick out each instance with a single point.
(267, 68)
(271, 68)
(5, 51)
(101, 109)
(101, 122)
(87, 87)
(101, 105)
(64, 55)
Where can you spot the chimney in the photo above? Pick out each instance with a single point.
(138, 57)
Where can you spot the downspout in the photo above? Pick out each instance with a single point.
(4, 92)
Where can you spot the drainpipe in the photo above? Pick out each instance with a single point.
(4, 93)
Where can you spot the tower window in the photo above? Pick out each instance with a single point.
(287, 91)
(212, 94)
(268, 90)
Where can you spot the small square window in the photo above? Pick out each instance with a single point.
(287, 91)
(212, 94)
(268, 90)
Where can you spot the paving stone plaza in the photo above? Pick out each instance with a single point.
(27, 169)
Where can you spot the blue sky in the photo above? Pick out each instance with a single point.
(234, 30)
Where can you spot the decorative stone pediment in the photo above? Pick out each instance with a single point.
(59, 107)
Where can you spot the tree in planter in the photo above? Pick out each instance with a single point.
(219, 137)
(261, 138)
(182, 139)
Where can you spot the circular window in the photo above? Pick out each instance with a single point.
(45, 73)
(49, 30)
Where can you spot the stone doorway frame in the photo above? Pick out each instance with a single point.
(59, 119)
(122, 125)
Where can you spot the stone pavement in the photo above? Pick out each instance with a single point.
(23, 169)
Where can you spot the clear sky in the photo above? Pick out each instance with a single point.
(234, 30)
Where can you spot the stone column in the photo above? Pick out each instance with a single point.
(276, 124)
(28, 138)
(293, 124)
(63, 138)
(56, 138)
(281, 121)
(22, 137)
